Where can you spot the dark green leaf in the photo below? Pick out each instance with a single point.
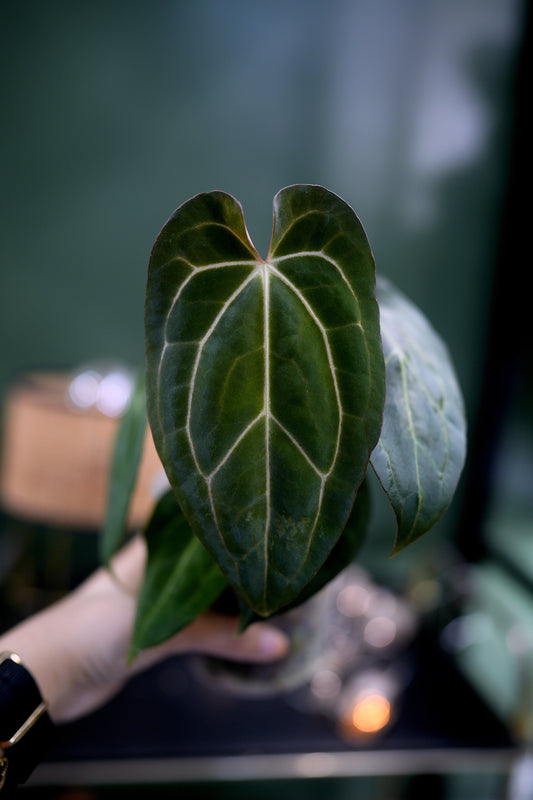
(265, 381)
(347, 547)
(181, 579)
(421, 451)
(125, 462)
(340, 557)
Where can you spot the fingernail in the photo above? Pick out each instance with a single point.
(272, 643)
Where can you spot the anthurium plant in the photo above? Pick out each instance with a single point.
(271, 387)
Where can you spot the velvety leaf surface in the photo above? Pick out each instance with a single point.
(181, 579)
(125, 462)
(421, 451)
(265, 381)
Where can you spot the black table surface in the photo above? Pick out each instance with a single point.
(169, 713)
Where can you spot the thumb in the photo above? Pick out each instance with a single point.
(217, 635)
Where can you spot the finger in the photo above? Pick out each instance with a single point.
(217, 635)
(128, 564)
(126, 570)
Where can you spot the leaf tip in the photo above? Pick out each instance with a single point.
(133, 652)
(398, 547)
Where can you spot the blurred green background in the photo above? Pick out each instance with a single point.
(114, 113)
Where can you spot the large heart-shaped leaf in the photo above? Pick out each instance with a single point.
(181, 579)
(421, 451)
(265, 381)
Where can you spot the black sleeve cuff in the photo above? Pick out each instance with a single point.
(26, 730)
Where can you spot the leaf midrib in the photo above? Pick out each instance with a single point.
(264, 270)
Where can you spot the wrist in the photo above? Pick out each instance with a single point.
(37, 642)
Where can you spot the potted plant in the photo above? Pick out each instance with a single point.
(271, 387)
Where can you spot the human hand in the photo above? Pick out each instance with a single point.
(77, 648)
